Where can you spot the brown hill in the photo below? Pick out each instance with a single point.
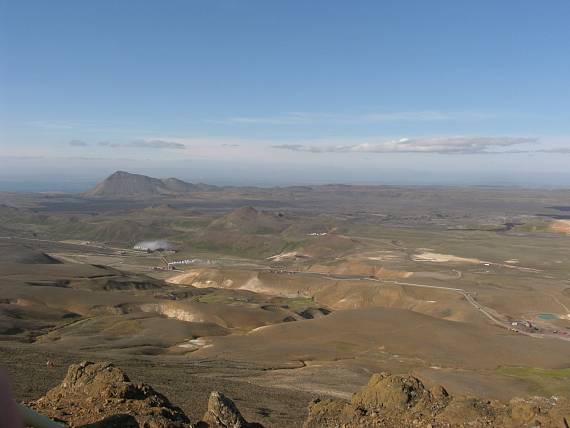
(13, 252)
(250, 220)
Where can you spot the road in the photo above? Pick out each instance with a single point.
(464, 293)
(51, 241)
(468, 297)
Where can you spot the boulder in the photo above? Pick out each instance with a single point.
(102, 395)
(223, 413)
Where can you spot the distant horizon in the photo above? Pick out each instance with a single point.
(79, 185)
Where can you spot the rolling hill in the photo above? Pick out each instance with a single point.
(249, 220)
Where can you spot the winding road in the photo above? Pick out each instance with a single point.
(466, 295)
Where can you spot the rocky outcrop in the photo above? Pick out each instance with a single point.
(101, 395)
(398, 401)
(223, 413)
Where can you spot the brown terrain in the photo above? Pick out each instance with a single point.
(102, 395)
(276, 297)
(560, 226)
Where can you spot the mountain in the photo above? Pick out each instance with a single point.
(178, 186)
(123, 184)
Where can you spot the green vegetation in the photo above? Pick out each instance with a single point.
(546, 381)
(297, 303)
(535, 225)
(344, 346)
(214, 298)
(535, 372)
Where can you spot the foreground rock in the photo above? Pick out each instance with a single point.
(101, 395)
(398, 401)
(223, 413)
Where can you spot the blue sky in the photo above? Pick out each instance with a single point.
(287, 91)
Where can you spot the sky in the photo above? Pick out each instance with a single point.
(286, 92)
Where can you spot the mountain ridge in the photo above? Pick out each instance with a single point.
(123, 184)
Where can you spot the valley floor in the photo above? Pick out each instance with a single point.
(276, 307)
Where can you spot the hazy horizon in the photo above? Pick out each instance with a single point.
(73, 184)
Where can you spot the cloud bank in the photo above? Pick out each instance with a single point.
(559, 150)
(146, 144)
(445, 145)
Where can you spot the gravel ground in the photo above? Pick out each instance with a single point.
(186, 384)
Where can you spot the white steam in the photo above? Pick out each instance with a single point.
(160, 245)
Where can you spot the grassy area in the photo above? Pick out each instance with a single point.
(297, 303)
(343, 346)
(533, 226)
(546, 381)
(535, 372)
(213, 298)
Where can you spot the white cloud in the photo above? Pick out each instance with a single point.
(306, 118)
(559, 150)
(146, 144)
(86, 126)
(420, 116)
(52, 125)
(156, 144)
(444, 145)
(285, 119)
